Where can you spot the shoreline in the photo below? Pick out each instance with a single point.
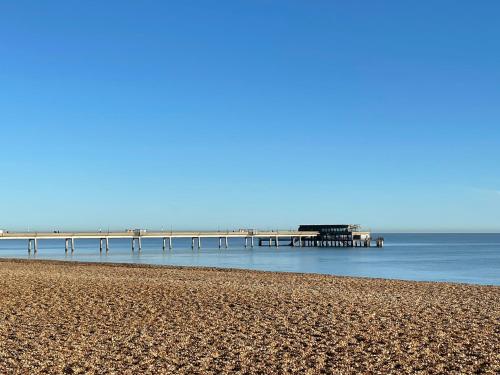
(76, 317)
(230, 269)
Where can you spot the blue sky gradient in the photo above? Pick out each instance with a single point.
(250, 114)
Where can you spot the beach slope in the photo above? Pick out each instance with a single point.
(58, 317)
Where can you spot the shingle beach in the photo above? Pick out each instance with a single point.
(62, 317)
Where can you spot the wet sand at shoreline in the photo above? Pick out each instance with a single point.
(61, 317)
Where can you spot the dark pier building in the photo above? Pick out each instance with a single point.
(345, 235)
(326, 235)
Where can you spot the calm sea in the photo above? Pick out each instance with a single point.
(464, 258)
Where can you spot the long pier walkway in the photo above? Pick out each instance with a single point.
(272, 238)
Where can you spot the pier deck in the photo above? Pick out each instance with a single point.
(157, 234)
(290, 237)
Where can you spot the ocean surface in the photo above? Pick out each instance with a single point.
(463, 258)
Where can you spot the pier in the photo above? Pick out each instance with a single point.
(136, 237)
(305, 236)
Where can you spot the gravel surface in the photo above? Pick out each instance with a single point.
(60, 317)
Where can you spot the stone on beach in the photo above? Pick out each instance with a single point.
(61, 317)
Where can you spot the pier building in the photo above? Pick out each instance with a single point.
(335, 235)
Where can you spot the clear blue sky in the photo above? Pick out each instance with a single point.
(228, 114)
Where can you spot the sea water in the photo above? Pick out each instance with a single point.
(464, 258)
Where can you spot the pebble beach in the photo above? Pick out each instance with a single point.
(84, 318)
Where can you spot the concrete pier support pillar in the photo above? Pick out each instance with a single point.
(246, 242)
(227, 243)
(251, 241)
(100, 245)
(192, 242)
(66, 245)
(270, 241)
(36, 245)
(29, 246)
(220, 242)
(277, 241)
(139, 241)
(164, 243)
(300, 241)
(199, 242)
(132, 243)
(72, 245)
